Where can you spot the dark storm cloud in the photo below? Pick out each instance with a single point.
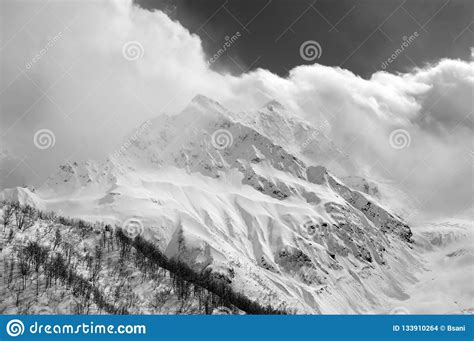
(357, 35)
(90, 89)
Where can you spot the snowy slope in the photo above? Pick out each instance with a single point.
(120, 282)
(298, 136)
(446, 287)
(243, 198)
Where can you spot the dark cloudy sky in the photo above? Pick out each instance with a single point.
(67, 73)
(356, 35)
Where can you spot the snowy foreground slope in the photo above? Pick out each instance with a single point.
(245, 196)
(56, 265)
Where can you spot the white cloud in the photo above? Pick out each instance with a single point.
(105, 95)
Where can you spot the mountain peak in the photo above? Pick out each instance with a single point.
(205, 101)
(206, 106)
(274, 105)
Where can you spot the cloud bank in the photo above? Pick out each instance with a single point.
(67, 71)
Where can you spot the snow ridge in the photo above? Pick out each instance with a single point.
(258, 210)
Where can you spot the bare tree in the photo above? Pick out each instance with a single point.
(57, 238)
(7, 215)
(24, 267)
(25, 217)
(97, 267)
(38, 256)
(159, 298)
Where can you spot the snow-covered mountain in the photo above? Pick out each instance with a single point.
(245, 195)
